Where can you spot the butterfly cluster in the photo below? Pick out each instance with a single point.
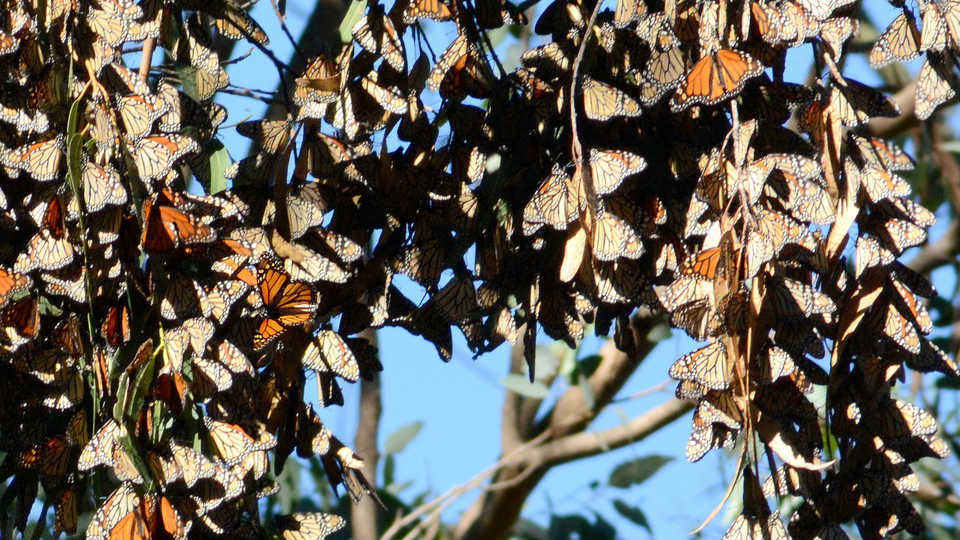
(157, 339)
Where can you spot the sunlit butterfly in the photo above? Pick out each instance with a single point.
(556, 202)
(41, 160)
(821, 9)
(602, 101)
(154, 156)
(611, 238)
(856, 103)
(664, 71)
(138, 113)
(288, 303)
(941, 25)
(934, 87)
(707, 366)
(328, 352)
(610, 167)
(271, 135)
(437, 10)
(899, 42)
(166, 227)
(50, 248)
(716, 77)
(235, 23)
(101, 187)
(12, 283)
(376, 34)
(309, 526)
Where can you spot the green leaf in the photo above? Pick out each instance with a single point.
(632, 513)
(520, 385)
(589, 364)
(637, 471)
(188, 80)
(354, 13)
(659, 333)
(399, 439)
(219, 160)
(389, 465)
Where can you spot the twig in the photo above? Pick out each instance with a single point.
(457, 491)
(286, 31)
(146, 57)
(643, 393)
(582, 166)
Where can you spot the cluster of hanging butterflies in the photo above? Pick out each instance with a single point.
(165, 335)
(155, 339)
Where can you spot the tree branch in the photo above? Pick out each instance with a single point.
(363, 513)
(936, 254)
(492, 515)
(586, 444)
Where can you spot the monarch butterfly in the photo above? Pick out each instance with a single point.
(821, 9)
(192, 465)
(899, 42)
(774, 231)
(704, 265)
(49, 249)
(66, 512)
(557, 202)
(716, 77)
(602, 101)
(707, 366)
(272, 136)
(138, 113)
(12, 283)
(315, 267)
(309, 526)
(99, 450)
(321, 82)
(154, 156)
(120, 505)
(932, 358)
(778, 363)
(377, 35)
(941, 25)
(744, 528)
(699, 319)
(880, 184)
(437, 10)
(390, 99)
(903, 234)
(869, 253)
(455, 302)
(212, 372)
(550, 58)
(610, 167)
(934, 87)
(458, 70)
(901, 331)
(346, 249)
(664, 71)
(856, 103)
(883, 154)
(41, 160)
(288, 302)
(836, 31)
(235, 23)
(612, 238)
(706, 435)
(792, 298)
(328, 352)
(101, 187)
(628, 12)
(918, 312)
(167, 228)
(218, 299)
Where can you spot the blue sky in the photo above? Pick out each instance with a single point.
(460, 402)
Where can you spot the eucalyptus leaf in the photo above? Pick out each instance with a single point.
(637, 471)
(520, 385)
(354, 13)
(632, 513)
(399, 439)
